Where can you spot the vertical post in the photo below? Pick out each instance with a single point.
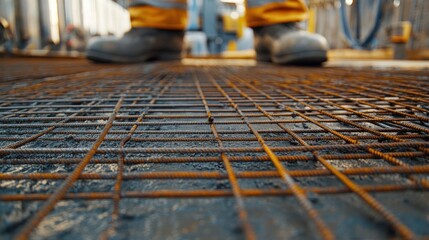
(358, 7)
(7, 11)
(7, 24)
(210, 25)
(62, 24)
(312, 18)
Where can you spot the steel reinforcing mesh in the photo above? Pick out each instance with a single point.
(306, 136)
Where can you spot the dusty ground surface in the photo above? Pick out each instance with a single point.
(271, 217)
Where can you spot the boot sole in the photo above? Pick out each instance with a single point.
(108, 58)
(309, 58)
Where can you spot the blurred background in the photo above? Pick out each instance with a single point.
(380, 29)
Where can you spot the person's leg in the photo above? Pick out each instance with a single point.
(267, 12)
(160, 14)
(277, 36)
(157, 29)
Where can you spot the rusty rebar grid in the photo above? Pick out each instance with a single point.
(310, 137)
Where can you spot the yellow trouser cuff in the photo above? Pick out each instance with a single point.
(273, 13)
(161, 18)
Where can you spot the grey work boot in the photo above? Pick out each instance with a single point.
(287, 44)
(137, 45)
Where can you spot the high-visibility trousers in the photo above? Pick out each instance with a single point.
(172, 14)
